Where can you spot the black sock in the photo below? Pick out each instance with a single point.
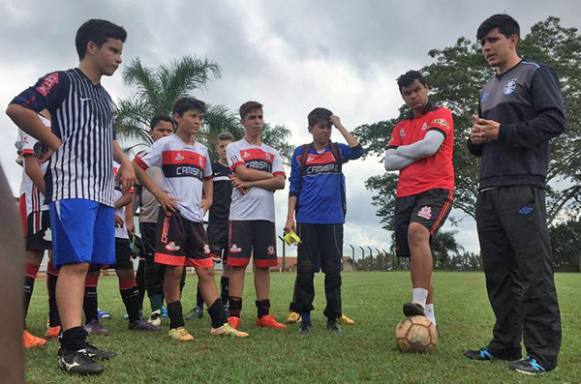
(235, 306)
(176, 316)
(217, 313)
(224, 281)
(262, 307)
(140, 280)
(28, 288)
(74, 339)
(199, 298)
(90, 304)
(130, 298)
(140, 297)
(53, 313)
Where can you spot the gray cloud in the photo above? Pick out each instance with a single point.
(293, 56)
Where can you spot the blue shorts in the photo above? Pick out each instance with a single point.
(83, 231)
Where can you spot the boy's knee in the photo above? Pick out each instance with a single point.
(418, 234)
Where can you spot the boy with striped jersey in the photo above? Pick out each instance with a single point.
(79, 180)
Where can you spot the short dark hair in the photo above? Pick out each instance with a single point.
(225, 136)
(184, 104)
(248, 107)
(409, 77)
(157, 118)
(505, 24)
(97, 31)
(319, 114)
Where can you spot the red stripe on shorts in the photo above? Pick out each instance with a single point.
(443, 212)
(164, 258)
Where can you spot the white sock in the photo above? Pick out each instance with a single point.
(430, 313)
(420, 295)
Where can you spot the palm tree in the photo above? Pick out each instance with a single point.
(157, 90)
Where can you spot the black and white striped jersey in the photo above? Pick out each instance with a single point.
(82, 117)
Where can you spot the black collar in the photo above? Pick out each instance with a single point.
(428, 108)
(498, 76)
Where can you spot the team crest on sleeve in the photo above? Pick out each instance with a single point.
(441, 122)
(402, 132)
(509, 87)
(425, 126)
(425, 212)
(48, 83)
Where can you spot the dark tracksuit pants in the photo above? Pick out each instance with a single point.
(518, 265)
(321, 248)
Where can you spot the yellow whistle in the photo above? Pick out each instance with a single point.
(292, 238)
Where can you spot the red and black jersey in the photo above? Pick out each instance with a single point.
(184, 167)
(257, 203)
(436, 171)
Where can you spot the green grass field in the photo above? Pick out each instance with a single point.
(362, 353)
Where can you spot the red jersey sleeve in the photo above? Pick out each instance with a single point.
(441, 120)
(395, 140)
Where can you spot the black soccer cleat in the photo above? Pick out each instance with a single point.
(333, 327)
(413, 309)
(305, 327)
(528, 366)
(484, 354)
(78, 362)
(99, 354)
(143, 325)
(195, 313)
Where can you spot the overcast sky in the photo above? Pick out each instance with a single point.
(290, 55)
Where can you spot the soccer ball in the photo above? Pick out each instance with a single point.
(416, 334)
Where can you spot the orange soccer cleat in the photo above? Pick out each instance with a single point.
(268, 321)
(52, 332)
(31, 341)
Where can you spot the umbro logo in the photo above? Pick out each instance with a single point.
(71, 365)
(179, 157)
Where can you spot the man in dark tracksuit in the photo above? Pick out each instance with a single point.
(521, 109)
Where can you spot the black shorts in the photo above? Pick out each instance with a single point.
(181, 242)
(218, 239)
(252, 237)
(321, 247)
(428, 208)
(38, 234)
(122, 254)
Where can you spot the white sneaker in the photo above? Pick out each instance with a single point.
(155, 318)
